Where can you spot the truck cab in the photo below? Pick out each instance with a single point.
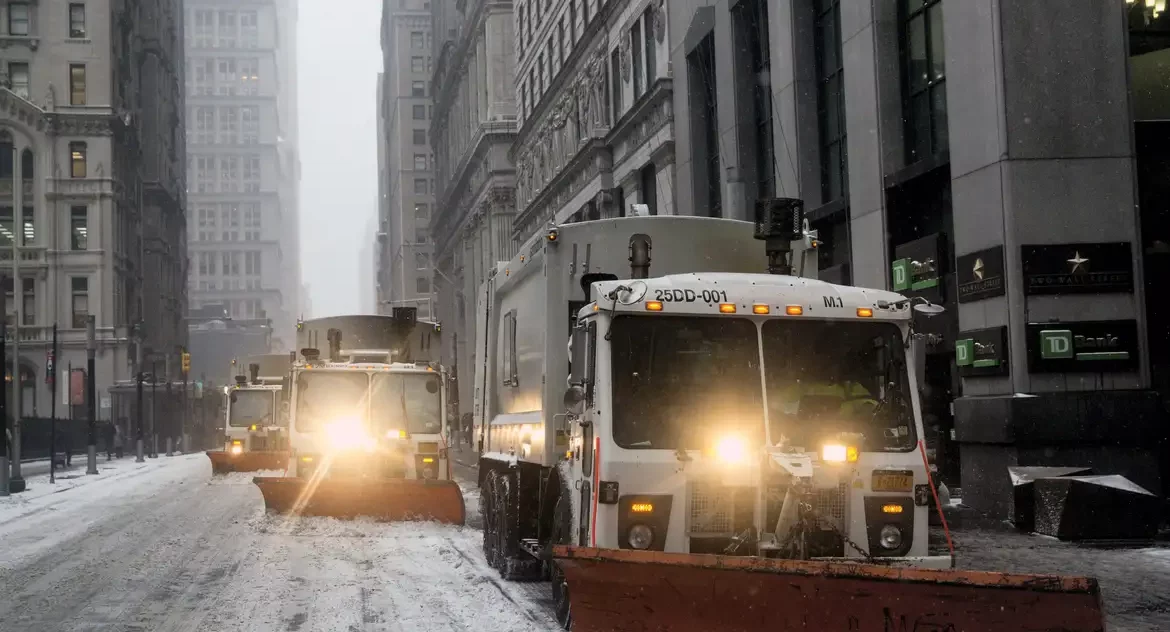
(367, 419)
(253, 420)
(724, 413)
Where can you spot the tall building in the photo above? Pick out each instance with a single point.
(472, 133)
(367, 269)
(243, 165)
(91, 186)
(594, 97)
(942, 151)
(405, 163)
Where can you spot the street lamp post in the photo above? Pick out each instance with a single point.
(138, 386)
(153, 408)
(90, 395)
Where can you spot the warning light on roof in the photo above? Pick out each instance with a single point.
(864, 312)
(794, 310)
(654, 306)
(727, 308)
(760, 309)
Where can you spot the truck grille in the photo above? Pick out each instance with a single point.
(830, 504)
(720, 511)
(712, 511)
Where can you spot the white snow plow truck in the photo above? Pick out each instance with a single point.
(683, 442)
(368, 424)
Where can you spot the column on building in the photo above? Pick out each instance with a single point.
(1042, 166)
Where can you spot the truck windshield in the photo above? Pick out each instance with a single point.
(828, 377)
(251, 407)
(410, 401)
(327, 396)
(684, 381)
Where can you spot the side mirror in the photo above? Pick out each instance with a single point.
(575, 399)
(579, 353)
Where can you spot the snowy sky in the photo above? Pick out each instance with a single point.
(338, 60)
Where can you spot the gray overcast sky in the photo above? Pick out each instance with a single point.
(339, 57)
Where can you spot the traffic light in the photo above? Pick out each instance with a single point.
(186, 363)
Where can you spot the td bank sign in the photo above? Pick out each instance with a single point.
(1083, 347)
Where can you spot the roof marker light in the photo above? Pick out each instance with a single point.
(727, 308)
(794, 310)
(865, 312)
(761, 309)
(654, 306)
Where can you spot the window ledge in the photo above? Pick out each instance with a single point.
(78, 40)
(31, 41)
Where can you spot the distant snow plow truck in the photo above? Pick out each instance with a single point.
(685, 444)
(368, 424)
(255, 426)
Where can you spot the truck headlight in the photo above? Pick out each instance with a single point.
(237, 448)
(838, 453)
(640, 537)
(348, 434)
(890, 537)
(731, 449)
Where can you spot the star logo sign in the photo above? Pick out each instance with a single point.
(1078, 263)
(978, 269)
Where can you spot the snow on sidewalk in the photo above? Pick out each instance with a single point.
(74, 486)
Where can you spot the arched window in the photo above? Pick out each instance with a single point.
(26, 164)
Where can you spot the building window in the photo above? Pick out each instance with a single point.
(924, 106)
(705, 122)
(79, 228)
(18, 18)
(418, 88)
(422, 285)
(28, 236)
(76, 20)
(77, 159)
(76, 84)
(422, 213)
(420, 137)
(418, 64)
(419, 112)
(29, 287)
(416, 40)
(80, 287)
(252, 263)
(831, 101)
(18, 79)
(420, 186)
(615, 78)
(649, 186)
(421, 261)
(420, 162)
(636, 54)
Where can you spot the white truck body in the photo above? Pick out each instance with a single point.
(387, 388)
(703, 273)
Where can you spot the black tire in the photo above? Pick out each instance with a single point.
(507, 549)
(562, 534)
(487, 510)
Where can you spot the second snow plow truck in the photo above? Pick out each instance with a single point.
(255, 428)
(686, 443)
(368, 424)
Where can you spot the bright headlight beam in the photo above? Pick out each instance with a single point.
(348, 434)
(834, 452)
(731, 449)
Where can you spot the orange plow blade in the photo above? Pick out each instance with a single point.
(392, 499)
(223, 462)
(615, 590)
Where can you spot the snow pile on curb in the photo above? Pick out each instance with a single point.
(242, 478)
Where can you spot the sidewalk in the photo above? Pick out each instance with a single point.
(37, 495)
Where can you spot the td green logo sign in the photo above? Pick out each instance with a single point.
(1056, 344)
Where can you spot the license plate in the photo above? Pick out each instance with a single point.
(893, 481)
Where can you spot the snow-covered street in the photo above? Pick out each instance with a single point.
(161, 546)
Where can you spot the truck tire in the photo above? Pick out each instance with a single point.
(487, 510)
(562, 534)
(507, 549)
